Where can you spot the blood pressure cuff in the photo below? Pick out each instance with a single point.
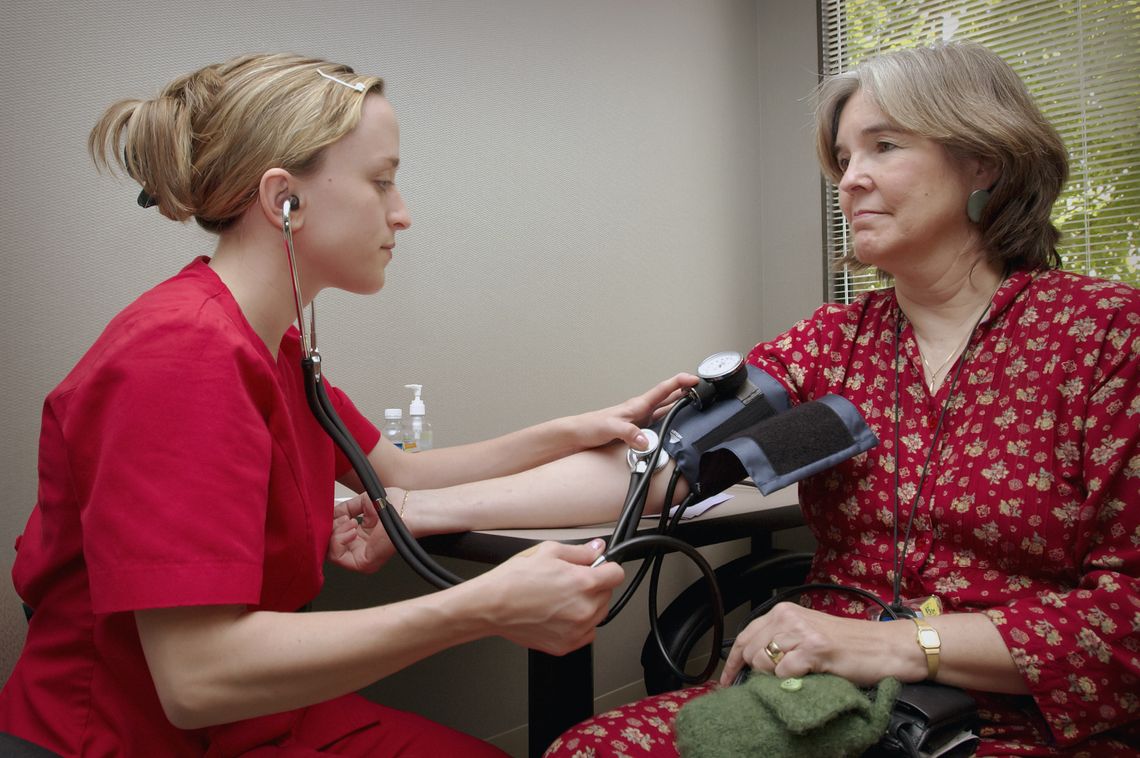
(757, 435)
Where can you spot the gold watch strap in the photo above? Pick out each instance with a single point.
(930, 643)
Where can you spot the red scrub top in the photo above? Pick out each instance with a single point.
(179, 465)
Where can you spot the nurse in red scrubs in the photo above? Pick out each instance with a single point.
(184, 508)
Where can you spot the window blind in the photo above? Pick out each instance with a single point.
(1081, 61)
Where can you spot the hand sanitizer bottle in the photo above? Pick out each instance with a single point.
(394, 426)
(417, 430)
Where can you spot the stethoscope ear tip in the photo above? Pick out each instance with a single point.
(287, 207)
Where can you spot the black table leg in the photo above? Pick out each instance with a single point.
(560, 694)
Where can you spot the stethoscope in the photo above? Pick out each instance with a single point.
(720, 375)
(405, 544)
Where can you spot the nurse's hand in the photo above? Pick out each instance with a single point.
(625, 420)
(548, 597)
(358, 541)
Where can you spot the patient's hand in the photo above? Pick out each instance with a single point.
(812, 641)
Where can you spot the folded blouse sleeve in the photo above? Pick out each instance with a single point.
(1079, 650)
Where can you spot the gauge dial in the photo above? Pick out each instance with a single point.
(719, 365)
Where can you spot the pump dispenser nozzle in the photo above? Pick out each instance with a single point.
(417, 407)
(418, 431)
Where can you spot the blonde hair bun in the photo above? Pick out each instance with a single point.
(200, 147)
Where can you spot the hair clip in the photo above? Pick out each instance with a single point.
(359, 87)
(146, 200)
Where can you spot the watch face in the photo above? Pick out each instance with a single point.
(718, 365)
(928, 638)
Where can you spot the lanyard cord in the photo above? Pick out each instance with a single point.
(896, 596)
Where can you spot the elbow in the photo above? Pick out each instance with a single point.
(191, 698)
(181, 718)
(193, 676)
(186, 706)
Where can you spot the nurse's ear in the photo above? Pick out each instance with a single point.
(276, 188)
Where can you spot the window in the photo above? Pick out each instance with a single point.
(1081, 61)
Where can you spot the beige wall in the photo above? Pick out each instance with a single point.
(602, 192)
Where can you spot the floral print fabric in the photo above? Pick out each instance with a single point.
(1030, 509)
(642, 729)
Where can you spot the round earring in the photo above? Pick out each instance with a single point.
(976, 204)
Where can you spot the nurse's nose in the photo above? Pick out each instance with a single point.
(398, 216)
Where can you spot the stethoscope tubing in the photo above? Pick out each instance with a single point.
(624, 543)
(634, 507)
(402, 539)
(320, 405)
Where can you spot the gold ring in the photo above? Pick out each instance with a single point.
(774, 652)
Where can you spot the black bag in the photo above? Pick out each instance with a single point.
(930, 719)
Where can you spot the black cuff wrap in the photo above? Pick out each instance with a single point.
(756, 434)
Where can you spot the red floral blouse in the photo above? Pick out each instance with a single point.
(1030, 509)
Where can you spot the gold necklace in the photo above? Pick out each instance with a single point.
(933, 383)
(932, 375)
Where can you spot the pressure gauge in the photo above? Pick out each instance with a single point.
(719, 366)
(721, 374)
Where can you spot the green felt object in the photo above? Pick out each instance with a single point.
(825, 715)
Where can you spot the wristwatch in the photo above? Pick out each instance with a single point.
(930, 643)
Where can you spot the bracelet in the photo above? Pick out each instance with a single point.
(404, 503)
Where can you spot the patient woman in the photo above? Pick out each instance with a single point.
(185, 495)
(1006, 396)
